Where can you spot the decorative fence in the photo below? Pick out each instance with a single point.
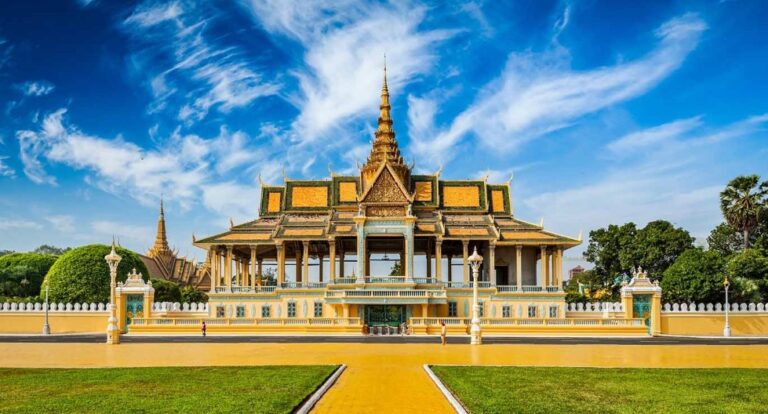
(717, 307)
(595, 307)
(179, 307)
(53, 307)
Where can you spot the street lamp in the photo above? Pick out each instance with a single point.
(475, 332)
(727, 328)
(113, 259)
(46, 327)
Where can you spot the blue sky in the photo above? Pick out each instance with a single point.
(604, 112)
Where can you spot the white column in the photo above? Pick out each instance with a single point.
(492, 262)
(253, 267)
(519, 267)
(465, 246)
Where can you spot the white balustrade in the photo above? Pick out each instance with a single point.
(713, 308)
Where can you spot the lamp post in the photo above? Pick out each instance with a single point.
(475, 332)
(113, 259)
(727, 328)
(46, 327)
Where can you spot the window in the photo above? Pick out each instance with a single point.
(265, 311)
(452, 310)
(553, 311)
(318, 309)
(481, 312)
(291, 309)
(240, 311)
(506, 312)
(219, 311)
(531, 311)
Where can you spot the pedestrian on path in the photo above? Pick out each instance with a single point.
(203, 329)
(442, 332)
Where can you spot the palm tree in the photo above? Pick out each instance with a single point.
(742, 202)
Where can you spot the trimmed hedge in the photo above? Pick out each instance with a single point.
(15, 267)
(82, 274)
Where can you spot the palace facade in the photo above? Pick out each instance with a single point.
(387, 246)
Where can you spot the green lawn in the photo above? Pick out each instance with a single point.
(268, 389)
(597, 390)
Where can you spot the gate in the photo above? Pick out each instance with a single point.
(134, 308)
(641, 308)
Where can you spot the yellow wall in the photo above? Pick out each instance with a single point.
(711, 324)
(64, 322)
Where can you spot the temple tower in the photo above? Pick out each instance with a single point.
(160, 248)
(384, 148)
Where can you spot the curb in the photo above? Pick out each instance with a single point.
(307, 406)
(446, 393)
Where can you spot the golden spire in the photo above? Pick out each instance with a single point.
(384, 148)
(161, 240)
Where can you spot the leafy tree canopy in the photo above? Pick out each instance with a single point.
(82, 274)
(166, 291)
(21, 274)
(657, 246)
(617, 249)
(190, 294)
(697, 276)
(47, 249)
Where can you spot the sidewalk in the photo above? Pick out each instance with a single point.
(380, 377)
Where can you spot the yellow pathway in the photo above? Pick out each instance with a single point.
(380, 377)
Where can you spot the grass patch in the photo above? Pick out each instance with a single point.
(606, 390)
(264, 389)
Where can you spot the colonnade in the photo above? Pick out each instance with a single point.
(247, 270)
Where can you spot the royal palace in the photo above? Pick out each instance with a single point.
(386, 247)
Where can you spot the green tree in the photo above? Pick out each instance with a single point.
(22, 274)
(47, 249)
(608, 250)
(656, 247)
(191, 294)
(166, 290)
(725, 240)
(396, 270)
(82, 274)
(697, 276)
(742, 203)
(750, 265)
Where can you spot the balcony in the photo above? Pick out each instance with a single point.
(386, 296)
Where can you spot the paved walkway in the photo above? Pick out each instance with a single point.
(380, 377)
(395, 339)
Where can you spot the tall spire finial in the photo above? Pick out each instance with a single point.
(385, 73)
(161, 239)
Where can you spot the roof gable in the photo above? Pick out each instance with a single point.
(386, 188)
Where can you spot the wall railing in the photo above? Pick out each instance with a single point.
(630, 322)
(246, 321)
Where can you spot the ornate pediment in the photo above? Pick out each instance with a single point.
(386, 188)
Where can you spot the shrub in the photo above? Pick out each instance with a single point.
(166, 291)
(22, 274)
(190, 294)
(82, 274)
(697, 276)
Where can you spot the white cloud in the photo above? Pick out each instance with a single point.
(653, 136)
(183, 169)
(345, 43)
(36, 88)
(662, 180)
(123, 231)
(187, 67)
(18, 224)
(5, 169)
(62, 223)
(539, 93)
(239, 201)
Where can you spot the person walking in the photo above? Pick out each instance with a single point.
(442, 332)
(203, 329)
